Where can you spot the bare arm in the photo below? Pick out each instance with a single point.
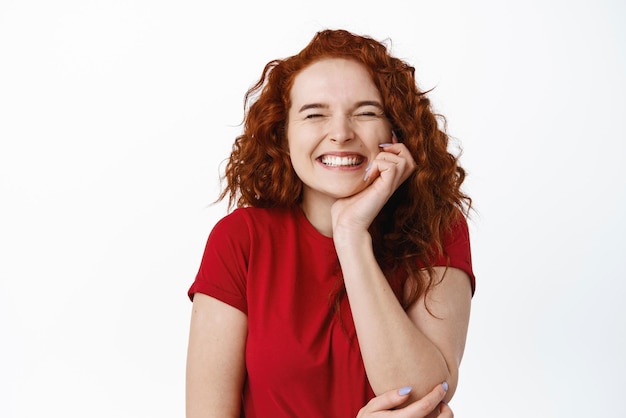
(410, 348)
(215, 359)
(445, 326)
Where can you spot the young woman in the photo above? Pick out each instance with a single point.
(340, 286)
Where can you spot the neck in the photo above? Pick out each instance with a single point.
(317, 211)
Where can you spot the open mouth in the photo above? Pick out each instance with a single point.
(337, 161)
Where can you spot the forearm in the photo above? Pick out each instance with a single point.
(395, 351)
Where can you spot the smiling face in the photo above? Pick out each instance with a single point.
(335, 124)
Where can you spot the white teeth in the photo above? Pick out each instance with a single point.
(336, 161)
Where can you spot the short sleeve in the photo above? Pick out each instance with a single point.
(223, 269)
(457, 250)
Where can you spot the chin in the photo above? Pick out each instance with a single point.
(347, 192)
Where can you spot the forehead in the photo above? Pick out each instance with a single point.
(334, 78)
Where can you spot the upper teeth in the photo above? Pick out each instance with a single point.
(339, 161)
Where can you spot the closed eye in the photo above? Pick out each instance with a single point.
(366, 115)
(369, 109)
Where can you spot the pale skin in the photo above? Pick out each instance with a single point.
(335, 130)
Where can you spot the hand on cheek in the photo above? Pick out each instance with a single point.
(395, 163)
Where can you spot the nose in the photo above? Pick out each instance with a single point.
(341, 130)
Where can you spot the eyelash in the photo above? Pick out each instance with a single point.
(318, 115)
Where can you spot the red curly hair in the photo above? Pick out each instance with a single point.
(412, 224)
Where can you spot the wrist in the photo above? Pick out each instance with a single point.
(351, 239)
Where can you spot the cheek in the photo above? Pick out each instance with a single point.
(302, 139)
(372, 136)
(288, 140)
(295, 147)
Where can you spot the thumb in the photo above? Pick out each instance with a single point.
(388, 400)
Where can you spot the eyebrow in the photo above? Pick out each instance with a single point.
(323, 106)
(313, 106)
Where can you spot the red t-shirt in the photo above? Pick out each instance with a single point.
(301, 359)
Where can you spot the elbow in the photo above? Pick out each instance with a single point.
(452, 379)
(441, 371)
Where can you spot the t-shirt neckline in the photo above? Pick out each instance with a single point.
(310, 229)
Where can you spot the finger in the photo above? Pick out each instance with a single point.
(404, 163)
(445, 411)
(389, 156)
(396, 153)
(376, 167)
(428, 403)
(395, 149)
(388, 400)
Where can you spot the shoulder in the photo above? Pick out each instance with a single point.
(457, 248)
(457, 231)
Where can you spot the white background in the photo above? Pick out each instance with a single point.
(116, 115)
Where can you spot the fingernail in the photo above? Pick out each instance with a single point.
(367, 171)
(445, 386)
(404, 391)
(385, 145)
(394, 137)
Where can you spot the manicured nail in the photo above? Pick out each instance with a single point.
(404, 391)
(367, 171)
(394, 137)
(445, 386)
(385, 145)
